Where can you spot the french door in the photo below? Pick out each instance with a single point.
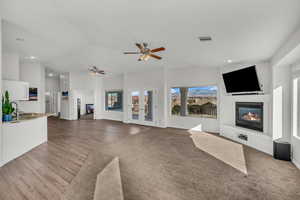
(141, 107)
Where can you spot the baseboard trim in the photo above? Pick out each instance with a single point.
(112, 119)
(296, 163)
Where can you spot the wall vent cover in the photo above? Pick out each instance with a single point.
(205, 38)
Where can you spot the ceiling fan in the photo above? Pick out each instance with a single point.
(95, 71)
(145, 52)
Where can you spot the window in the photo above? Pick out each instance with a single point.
(114, 100)
(194, 101)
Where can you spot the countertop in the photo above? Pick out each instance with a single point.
(28, 116)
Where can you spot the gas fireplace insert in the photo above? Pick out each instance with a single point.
(249, 115)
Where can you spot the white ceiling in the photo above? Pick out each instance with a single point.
(70, 35)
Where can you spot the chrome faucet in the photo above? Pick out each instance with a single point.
(17, 110)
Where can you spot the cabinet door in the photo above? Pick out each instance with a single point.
(18, 91)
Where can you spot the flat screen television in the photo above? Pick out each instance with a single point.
(242, 81)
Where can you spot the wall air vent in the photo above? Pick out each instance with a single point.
(205, 38)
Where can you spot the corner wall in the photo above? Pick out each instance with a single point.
(286, 58)
(34, 74)
(295, 139)
(12, 69)
(282, 79)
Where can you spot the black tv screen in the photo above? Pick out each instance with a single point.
(243, 80)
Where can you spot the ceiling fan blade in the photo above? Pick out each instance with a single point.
(158, 49)
(155, 56)
(131, 52)
(139, 46)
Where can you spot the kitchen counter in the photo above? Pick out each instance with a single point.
(19, 137)
(27, 116)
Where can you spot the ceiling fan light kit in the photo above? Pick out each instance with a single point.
(95, 71)
(145, 52)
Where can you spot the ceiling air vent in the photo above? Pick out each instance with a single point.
(205, 38)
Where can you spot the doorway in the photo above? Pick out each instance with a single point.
(84, 104)
(142, 104)
(78, 108)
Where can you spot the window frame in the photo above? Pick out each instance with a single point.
(195, 86)
(106, 100)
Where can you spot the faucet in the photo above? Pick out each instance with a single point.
(17, 110)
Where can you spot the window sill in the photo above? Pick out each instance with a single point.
(193, 117)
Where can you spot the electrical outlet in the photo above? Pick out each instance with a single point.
(243, 137)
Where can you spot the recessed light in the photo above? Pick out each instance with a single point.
(30, 57)
(229, 61)
(50, 74)
(20, 39)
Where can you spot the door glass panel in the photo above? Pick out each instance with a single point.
(135, 100)
(148, 102)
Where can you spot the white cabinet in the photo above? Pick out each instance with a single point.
(17, 90)
(19, 138)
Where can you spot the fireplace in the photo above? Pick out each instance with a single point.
(249, 115)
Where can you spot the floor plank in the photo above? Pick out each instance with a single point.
(47, 171)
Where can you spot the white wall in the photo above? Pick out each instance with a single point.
(52, 92)
(99, 99)
(34, 74)
(227, 102)
(284, 55)
(282, 61)
(84, 86)
(295, 137)
(52, 84)
(188, 78)
(82, 81)
(64, 81)
(86, 97)
(11, 66)
(282, 79)
(112, 83)
(150, 79)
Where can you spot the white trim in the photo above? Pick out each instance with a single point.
(296, 163)
(112, 119)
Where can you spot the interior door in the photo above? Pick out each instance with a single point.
(142, 104)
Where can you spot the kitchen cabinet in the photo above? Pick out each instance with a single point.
(19, 137)
(18, 90)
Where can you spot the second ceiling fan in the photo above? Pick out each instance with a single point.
(145, 52)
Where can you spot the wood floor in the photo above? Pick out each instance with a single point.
(48, 170)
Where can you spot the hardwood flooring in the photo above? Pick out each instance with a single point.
(155, 164)
(47, 170)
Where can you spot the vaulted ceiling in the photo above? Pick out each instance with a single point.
(71, 35)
